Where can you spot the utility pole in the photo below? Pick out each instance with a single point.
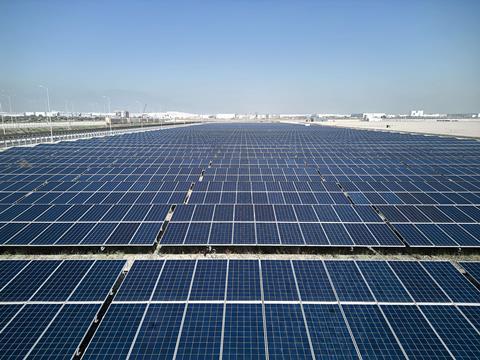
(107, 98)
(9, 97)
(3, 125)
(48, 115)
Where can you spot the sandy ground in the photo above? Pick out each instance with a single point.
(461, 128)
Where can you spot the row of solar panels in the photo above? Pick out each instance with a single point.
(134, 196)
(45, 183)
(239, 225)
(240, 280)
(322, 234)
(91, 172)
(241, 308)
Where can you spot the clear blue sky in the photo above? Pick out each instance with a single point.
(243, 55)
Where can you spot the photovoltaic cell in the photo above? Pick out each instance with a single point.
(21, 333)
(456, 286)
(417, 281)
(383, 282)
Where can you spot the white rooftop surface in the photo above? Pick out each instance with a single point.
(460, 128)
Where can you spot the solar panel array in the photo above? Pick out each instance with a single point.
(240, 308)
(244, 184)
(47, 306)
(299, 308)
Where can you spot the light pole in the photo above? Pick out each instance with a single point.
(9, 97)
(107, 98)
(3, 125)
(48, 108)
(140, 113)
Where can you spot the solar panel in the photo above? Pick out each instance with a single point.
(140, 282)
(209, 280)
(383, 282)
(243, 332)
(414, 332)
(313, 282)
(26, 283)
(174, 281)
(108, 340)
(461, 338)
(348, 281)
(158, 333)
(456, 286)
(417, 281)
(286, 332)
(371, 332)
(22, 332)
(278, 280)
(243, 280)
(201, 332)
(329, 332)
(65, 333)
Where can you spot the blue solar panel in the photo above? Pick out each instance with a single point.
(461, 338)
(201, 332)
(157, 336)
(65, 333)
(9, 269)
(99, 280)
(243, 280)
(140, 282)
(243, 332)
(329, 332)
(7, 312)
(457, 287)
(372, 334)
(347, 281)
(23, 286)
(174, 282)
(414, 333)
(108, 341)
(23, 331)
(210, 280)
(286, 332)
(313, 282)
(417, 281)
(383, 282)
(63, 281)
(473, 269)
(278, 280)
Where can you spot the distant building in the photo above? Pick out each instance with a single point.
(416, 113)
(225, 116)
(373, 116)
(122, 114)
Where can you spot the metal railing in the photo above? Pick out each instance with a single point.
(6, 143)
